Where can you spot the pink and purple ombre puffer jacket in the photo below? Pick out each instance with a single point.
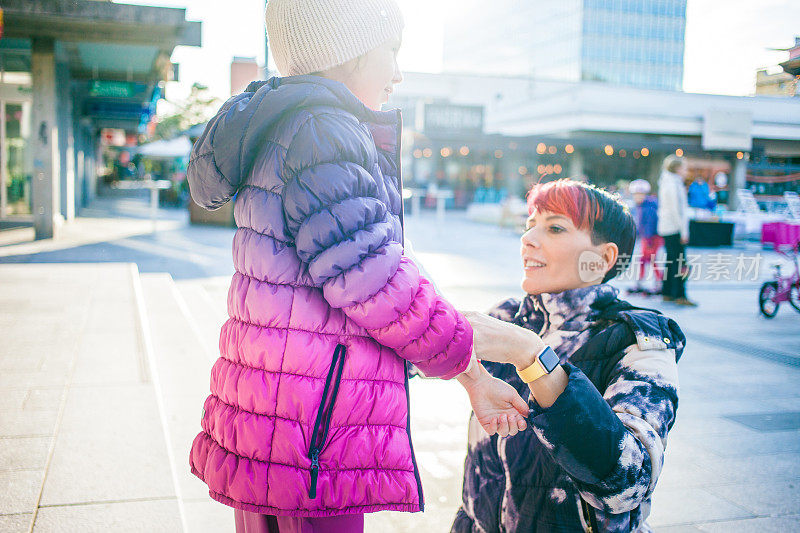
(308, 413)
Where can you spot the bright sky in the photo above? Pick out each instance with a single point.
(726, 41)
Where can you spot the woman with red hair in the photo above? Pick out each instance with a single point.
(600, 374)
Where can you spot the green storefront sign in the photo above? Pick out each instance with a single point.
(113, 89)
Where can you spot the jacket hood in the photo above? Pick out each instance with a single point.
(223, 156)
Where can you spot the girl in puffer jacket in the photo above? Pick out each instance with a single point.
(307, 424)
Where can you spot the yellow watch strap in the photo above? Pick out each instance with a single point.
(533, 372)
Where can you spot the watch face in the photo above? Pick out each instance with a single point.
(549, 359)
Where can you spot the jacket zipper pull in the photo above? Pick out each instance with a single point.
(312, 491)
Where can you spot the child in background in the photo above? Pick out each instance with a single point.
(645, 213)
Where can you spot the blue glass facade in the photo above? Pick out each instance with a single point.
(627, 42)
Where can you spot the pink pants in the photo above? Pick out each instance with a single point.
(247, 522)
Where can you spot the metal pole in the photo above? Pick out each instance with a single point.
(266, 45)
(440, 200)
(154, 205)
(3, 161)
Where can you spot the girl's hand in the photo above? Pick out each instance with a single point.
(503, 342)
(497, 406)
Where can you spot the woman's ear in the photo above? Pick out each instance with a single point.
(609, 251)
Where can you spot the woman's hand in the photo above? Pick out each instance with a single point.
(497, 405)
(503, 342)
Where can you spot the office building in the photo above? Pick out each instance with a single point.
(636, 43)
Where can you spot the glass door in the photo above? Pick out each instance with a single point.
(15, 163)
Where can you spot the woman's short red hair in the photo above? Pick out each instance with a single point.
(590, 209)
(569, 198)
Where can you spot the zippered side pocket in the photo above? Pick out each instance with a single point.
(324, 414)
(589, 518)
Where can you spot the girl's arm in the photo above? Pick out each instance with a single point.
(349, 239)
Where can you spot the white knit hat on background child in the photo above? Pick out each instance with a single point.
(308, 36)
(639, 187)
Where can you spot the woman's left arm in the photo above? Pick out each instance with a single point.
(612, 445)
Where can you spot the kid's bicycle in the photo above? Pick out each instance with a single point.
(782, 288)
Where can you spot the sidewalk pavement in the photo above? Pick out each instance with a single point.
(105, 364)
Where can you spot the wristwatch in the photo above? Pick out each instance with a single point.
(545, 362)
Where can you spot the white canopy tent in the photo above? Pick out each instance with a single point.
(167, 148)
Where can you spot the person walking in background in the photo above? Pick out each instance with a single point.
(700, 196)
(645, 213)
(307, 425)
(673, 226)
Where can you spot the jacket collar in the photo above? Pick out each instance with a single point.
(329, 92)
(570, 310)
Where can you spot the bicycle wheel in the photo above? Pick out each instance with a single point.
(768, 307)
(794, 297)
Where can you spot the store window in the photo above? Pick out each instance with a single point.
(15, 163)
(15, 109)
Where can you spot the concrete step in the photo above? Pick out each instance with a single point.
(205, 310)
(184, 348)
(81, 445)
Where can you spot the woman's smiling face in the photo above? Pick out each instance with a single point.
(557, 256)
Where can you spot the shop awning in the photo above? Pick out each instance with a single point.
(166, 149)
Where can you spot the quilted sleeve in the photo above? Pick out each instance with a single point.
(612, 445)
(350, 241)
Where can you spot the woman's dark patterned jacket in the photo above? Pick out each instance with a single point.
(590, 462)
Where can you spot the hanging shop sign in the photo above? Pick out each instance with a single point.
(728, 129)
(453, 119)
(115, 89)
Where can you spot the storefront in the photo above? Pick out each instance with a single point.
(69, 70)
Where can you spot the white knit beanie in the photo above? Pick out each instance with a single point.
(308, 36)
